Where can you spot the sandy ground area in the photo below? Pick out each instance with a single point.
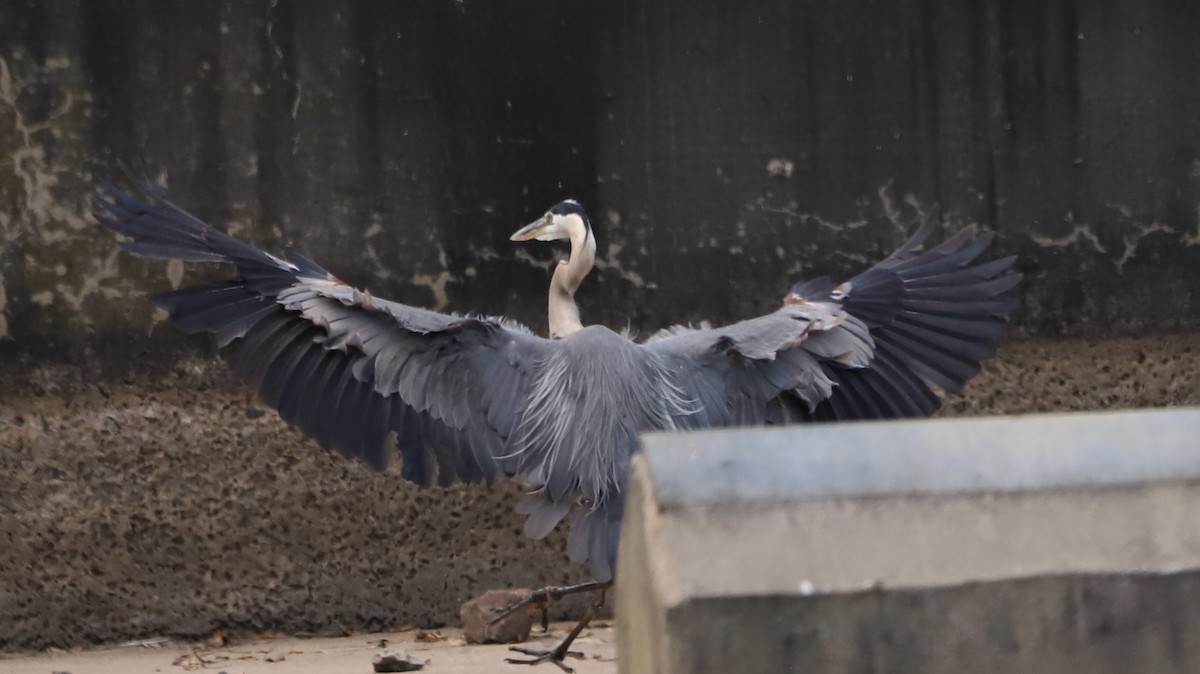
(443, 651)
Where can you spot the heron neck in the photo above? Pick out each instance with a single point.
(564, 313)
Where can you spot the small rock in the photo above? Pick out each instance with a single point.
(217, 640)
(477, 613)
(387, 661)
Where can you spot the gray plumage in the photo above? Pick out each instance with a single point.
(467, 398)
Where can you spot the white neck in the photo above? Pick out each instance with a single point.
(564, 314)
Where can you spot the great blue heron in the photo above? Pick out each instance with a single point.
(468, 398)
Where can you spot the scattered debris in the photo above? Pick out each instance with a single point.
(388, 661)
(194, 660)
(478, 613)
(146, 643)
(429, 636)
(279, 657)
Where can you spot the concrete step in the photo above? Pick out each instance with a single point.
(1039, 544)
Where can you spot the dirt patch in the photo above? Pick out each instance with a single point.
(135, 509)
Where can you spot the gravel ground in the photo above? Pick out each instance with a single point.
(182, 506)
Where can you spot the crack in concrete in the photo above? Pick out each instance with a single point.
(791, 212)
(436, 284)
(105, 269)
(1079, 234)
(891, 211)
(1132, 242)
(380, 271)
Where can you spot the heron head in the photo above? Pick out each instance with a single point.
(560, 222)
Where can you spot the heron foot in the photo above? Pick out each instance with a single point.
(560, 652)
(557, 656)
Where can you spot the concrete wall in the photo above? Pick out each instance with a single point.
(724, 149)
(1043, 544)
(402, 142)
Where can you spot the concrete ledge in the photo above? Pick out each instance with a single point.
(1035, 544)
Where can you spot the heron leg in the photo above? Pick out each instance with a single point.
(560, 652)
(548, 595)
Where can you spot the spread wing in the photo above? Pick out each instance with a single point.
(350, 370)
(934, 312)
(735, 371)
(354, 371)
(865, 349)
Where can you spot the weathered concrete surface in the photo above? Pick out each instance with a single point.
(1063, 625)
(1067, 546)
(404, 141)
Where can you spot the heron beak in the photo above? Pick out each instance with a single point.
(533, 230)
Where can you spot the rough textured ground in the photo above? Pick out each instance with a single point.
(184, 506)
